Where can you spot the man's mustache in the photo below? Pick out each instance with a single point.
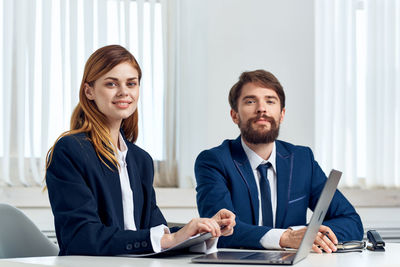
(263, 116)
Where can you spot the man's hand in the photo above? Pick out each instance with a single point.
(221, 223)
(325, 239)
(226, 221)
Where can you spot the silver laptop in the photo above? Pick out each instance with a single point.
(282, 257)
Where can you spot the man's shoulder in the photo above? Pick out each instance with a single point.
(283, 146)
(224, 147)
(222, 151)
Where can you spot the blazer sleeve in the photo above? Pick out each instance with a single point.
(80, 230)
(341, 216)
(213, 194)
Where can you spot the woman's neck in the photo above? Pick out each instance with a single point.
(114, 134)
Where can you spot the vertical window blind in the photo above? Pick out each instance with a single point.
(44, 45)
(357, 96)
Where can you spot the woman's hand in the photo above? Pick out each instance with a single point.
(194, 227)
(221, 223)
(226, 220)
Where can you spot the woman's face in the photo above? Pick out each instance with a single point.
(116, 93)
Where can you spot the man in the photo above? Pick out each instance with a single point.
(269, 184)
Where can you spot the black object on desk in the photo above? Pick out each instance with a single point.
(350, 246)
(377, 243)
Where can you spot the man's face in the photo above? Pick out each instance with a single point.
(259, 114)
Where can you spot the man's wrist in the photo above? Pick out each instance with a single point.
(285, 238)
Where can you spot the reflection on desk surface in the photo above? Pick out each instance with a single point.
(389, 258)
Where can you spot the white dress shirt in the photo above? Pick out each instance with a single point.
(271, 239)
(127, 194)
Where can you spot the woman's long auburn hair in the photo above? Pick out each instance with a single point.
(86, 117)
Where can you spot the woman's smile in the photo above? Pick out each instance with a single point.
(122, 104)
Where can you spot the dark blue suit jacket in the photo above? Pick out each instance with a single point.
(226, 180)
(86, 200)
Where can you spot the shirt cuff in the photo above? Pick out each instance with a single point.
(156, 234)
(297, 227)
(207, 247)
(272, 238)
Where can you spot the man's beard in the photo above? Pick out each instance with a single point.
(259, 136)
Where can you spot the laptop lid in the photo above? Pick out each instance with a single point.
(318, 215)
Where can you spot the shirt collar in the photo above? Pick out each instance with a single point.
(122, 143)
(256, 160)
(124, 149)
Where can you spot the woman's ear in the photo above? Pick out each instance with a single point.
(89, 91)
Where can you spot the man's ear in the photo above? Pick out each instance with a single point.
(282, 115)
(89, 91)
(235, 116)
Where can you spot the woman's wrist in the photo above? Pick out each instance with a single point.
(167, 240)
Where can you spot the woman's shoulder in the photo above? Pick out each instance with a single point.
(73, 142)
(71, 150)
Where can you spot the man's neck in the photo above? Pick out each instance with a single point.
(263, 150)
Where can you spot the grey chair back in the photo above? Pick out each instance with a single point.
(20, 237)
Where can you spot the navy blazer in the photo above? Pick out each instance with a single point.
(225, 180)
(86, 200)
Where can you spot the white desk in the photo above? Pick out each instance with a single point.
(389, 258)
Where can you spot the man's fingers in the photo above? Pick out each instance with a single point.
(329, 242)
(332, 237)
(329, 237)
(227, 223)
(227, 232)
(316, 249)
(330, 234)
(319, 240)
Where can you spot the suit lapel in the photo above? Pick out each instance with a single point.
(243, 165)
(284, 162)
(136, 186)
(111, 177)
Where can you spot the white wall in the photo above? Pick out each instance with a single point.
(219, 39)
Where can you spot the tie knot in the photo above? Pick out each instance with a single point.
(262, 168)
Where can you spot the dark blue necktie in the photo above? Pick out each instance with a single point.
(265, 191)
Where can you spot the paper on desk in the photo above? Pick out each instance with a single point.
(192, 241)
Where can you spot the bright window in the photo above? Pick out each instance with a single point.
(49, 45)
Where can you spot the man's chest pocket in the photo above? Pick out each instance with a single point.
(297, 209)
(297, 200)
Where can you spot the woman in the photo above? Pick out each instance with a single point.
(99, 182)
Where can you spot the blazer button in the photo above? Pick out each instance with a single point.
(144, 244)
(137, 245)
(129, 246)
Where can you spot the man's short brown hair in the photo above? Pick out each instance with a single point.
(259, 77)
